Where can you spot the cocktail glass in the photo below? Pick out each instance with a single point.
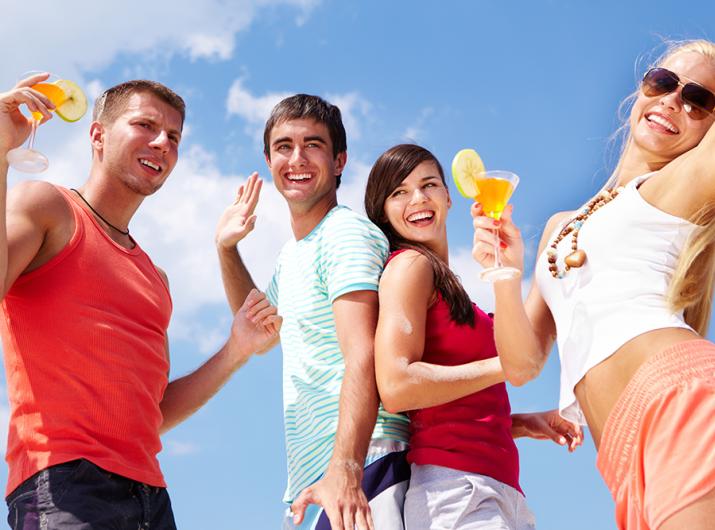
(70, 105)
(494, 189)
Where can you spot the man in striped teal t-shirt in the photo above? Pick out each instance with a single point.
(346, 465)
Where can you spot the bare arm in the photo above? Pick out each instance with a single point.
(255, 330)
(404, 380)
(339, 492)
(33, 209)
(524, 332)
(235, 223)
(547, 426)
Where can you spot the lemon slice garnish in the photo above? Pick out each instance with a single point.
(466, 166)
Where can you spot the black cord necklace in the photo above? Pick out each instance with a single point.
(123, 232)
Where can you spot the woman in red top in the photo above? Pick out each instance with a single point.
(435, 357)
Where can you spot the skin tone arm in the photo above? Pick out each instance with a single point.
(693, 175)
(524, 332)
(404, 380)
(339, 492)
(547, 425)
(408, 383)
(235, 223)
(254, 330)
(30, 216)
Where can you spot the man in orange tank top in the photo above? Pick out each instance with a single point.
(89, 392)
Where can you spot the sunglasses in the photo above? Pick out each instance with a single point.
(698, 101)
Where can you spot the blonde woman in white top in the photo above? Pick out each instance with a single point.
(625, 284)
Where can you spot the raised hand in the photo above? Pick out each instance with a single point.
(511, 244)
(14, 126)
(340, 494)
(548, 425)
(238, 219)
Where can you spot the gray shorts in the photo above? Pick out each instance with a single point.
(441, 498)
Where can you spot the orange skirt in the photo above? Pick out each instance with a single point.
(657, 452)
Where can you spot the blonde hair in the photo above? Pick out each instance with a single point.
(693, 283)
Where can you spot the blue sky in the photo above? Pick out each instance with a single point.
(533, 86)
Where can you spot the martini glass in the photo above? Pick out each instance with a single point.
(494, 189)
(70, 105)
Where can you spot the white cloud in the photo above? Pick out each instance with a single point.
(92, 33)
(416, 131)
(180, 448)
(254, 110)
(352, 186)
(354, 109)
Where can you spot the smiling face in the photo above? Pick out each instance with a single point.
(303, 166)
(660, 125)
(417, 209)
(141, 146)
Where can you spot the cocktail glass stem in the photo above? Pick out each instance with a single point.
(33, 131)
(497, 260)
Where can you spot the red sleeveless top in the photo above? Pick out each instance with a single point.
(84, 338)
(473, 433)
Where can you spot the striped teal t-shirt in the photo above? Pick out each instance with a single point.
(344, 253)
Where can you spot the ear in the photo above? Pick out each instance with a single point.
(268, 160)
(340, 160)
(96, 136)
(449, 199)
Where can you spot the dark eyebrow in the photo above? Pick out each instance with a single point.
(315, 139)
(282, 140)
(431, 177)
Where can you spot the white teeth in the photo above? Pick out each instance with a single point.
(302, 176)
(149, 164)
(660, 120)
(418, 216)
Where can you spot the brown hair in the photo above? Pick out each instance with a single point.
(114, 100)
(390, 169)
(305, 106)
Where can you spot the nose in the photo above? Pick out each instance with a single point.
(417, 196)
(297, 157)
(161, 142)
(672, 100)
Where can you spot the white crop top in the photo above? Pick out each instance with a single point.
(620, 291)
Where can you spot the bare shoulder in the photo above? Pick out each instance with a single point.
(163, 275)
(554, 221)
(409, 265)
(408, 279)
(39, 200)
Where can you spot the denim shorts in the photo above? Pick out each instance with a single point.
(79, 495)
(440, 497)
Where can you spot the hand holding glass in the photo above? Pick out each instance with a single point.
(70, 105)
(491, 189)
(494, 189)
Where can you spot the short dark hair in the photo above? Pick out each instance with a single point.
(305, 106)
(114, 100)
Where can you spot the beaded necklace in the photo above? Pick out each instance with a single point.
(577, 257)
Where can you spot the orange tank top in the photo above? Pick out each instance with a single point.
(84, 340)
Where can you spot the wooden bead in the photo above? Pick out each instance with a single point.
(575, 259)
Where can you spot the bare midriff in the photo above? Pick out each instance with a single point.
(598, 391)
